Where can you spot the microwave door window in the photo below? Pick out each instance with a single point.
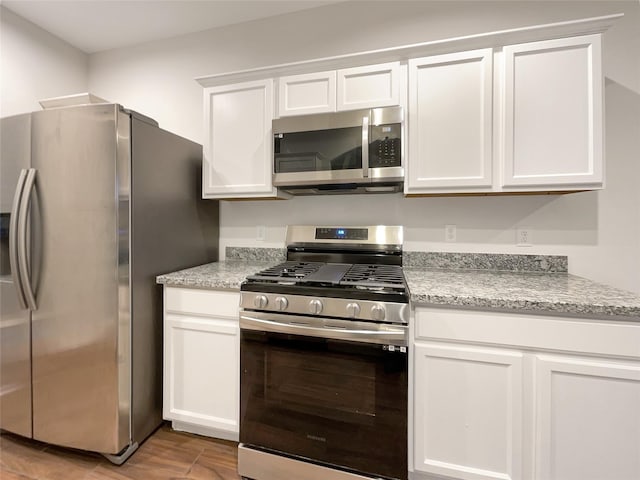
(326, 150)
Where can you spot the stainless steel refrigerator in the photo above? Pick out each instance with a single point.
(96, 201)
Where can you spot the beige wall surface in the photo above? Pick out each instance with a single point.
(35, 65)
(599, 231)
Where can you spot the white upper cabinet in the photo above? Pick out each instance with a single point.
(305, 94)
(553, 114)
(346, 89)
(540, 102)
(238, 141)
(510, 111)
(368, 87)
(450, 122)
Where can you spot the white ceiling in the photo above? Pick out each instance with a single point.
(97, 25)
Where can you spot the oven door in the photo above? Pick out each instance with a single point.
(332, 392)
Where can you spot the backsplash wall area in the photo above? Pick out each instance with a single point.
(598, 231)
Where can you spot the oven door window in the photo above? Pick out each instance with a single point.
(325, 150)
(334, 402)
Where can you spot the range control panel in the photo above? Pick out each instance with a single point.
(342, 233)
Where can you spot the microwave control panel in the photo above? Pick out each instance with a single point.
(385, 146)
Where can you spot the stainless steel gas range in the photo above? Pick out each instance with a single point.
(324, 359)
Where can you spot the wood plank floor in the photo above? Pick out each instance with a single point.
(165, 455)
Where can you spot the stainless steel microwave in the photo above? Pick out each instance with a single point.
(358, 151)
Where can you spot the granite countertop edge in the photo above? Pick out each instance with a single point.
(429, 287)
(224, 275)
(530, 306)
(538, 292)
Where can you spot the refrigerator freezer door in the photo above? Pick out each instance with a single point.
(15, 320)
(78, 352)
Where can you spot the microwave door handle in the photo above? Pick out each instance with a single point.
(13, 240)
(365, 147)
(23, 245)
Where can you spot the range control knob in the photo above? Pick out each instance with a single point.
(377, 312)
(353, 310)
(260, 301)
(315, 306)
(282, 303)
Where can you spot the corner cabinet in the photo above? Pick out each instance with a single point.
(524, 397)
(238, 142)
(201, 374)
(553, 113)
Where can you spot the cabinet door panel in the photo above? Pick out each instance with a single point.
(450, 121)
(201, 381)
(238, 141)
(308, 93)
(368, 87)
(588, 419)
(468, 412)
(553, 113)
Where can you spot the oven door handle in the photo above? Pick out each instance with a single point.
(327, 328)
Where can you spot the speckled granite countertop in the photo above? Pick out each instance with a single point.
(552, 293)
(527, 283)
(218, 275)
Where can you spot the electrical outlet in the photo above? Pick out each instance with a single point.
(524, 237)
(261, 233)
(449, 233)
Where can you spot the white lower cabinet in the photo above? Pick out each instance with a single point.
(202, 361)
(468, 411)
(587, 419)
(517, 396)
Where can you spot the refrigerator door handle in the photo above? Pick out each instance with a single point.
(22, 245)
(13, 239)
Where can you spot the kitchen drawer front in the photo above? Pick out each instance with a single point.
(195, 301)
(596, 337)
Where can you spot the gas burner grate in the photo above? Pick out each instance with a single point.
(289, 270)
(371, 275)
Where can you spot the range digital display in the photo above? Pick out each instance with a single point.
(341, 233)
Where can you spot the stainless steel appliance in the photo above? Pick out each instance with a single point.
(96, 201)
(358, 151)
(323, 349)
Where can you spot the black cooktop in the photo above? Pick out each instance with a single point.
(332, 274)
(363, 281)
